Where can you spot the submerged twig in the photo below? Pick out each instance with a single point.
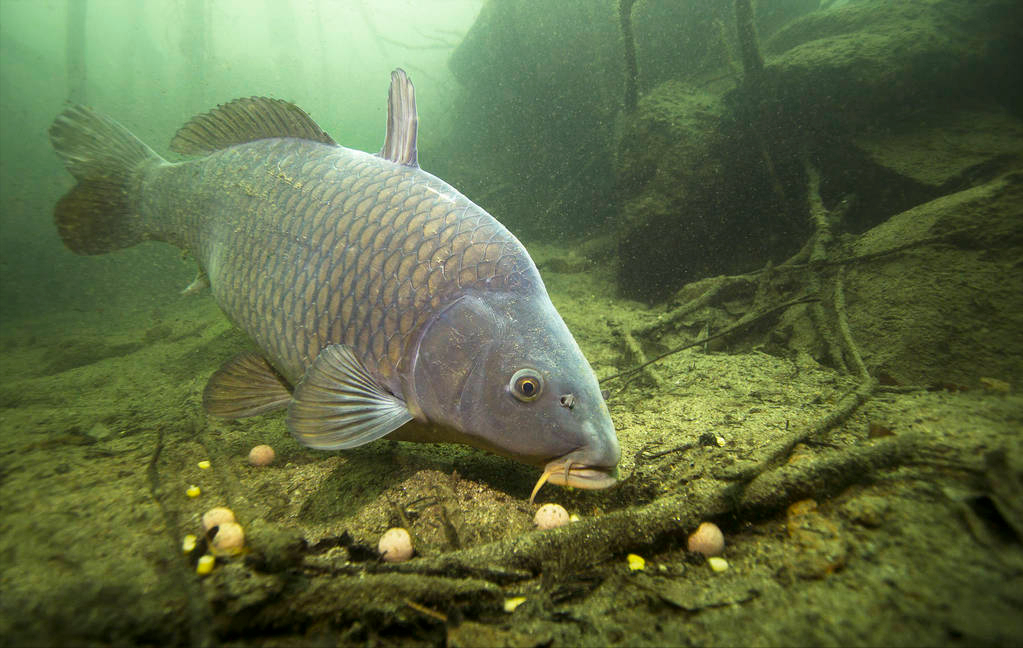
(747, 320)
(694, 304)
(427, 611)
(645, 365)
(820, 239)
(843, 327)
(781, 450)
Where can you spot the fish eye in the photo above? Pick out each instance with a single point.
(526, 385)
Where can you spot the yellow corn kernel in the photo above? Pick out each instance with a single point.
(193, 491)
(204, 464)
(188, 544)
(636, 563)
(205, 565)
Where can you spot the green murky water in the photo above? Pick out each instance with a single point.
(861, 451)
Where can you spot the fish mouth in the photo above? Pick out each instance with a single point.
(567, 473)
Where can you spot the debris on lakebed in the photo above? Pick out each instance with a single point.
(222, 538)
(312, 522)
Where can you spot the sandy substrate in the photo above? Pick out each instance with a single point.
(898, 526)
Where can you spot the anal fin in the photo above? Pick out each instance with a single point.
(339, 405)
(246, 386)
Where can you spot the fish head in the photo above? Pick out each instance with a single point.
(503, 372)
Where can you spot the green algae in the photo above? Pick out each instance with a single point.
(92, 529)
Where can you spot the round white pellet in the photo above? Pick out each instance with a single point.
(550, 516)
(395, 545)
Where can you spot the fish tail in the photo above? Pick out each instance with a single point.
(99, 214)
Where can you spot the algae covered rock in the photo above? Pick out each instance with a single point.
(882, 98)
(697, 198)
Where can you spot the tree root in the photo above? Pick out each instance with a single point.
(752, 61)
(680, 312)
(812, 258)
(745, 321)
(843, 327)
(629, 43)
(782, 449)
(646, 366)
(773, 490)
(761, 489)
(603, 537)
(374, 599)
(797, 263)
(665, 522)
(819, 242)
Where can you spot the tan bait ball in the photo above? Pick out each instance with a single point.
(262, 455)
(551, 516)
(230, 539)
(395, 545)
(216, 516)
(707, 540)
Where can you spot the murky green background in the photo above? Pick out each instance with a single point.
(861, 451)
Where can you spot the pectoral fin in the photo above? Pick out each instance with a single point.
(247, 385)
(200, 283)
(339, 405)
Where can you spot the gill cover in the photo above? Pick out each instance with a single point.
(448, 363)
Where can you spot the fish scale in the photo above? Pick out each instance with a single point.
(435, 240)
(381, 300)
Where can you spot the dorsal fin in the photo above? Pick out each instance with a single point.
(246, 120)
(402, 121)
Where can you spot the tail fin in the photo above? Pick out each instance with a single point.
(98, 215)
